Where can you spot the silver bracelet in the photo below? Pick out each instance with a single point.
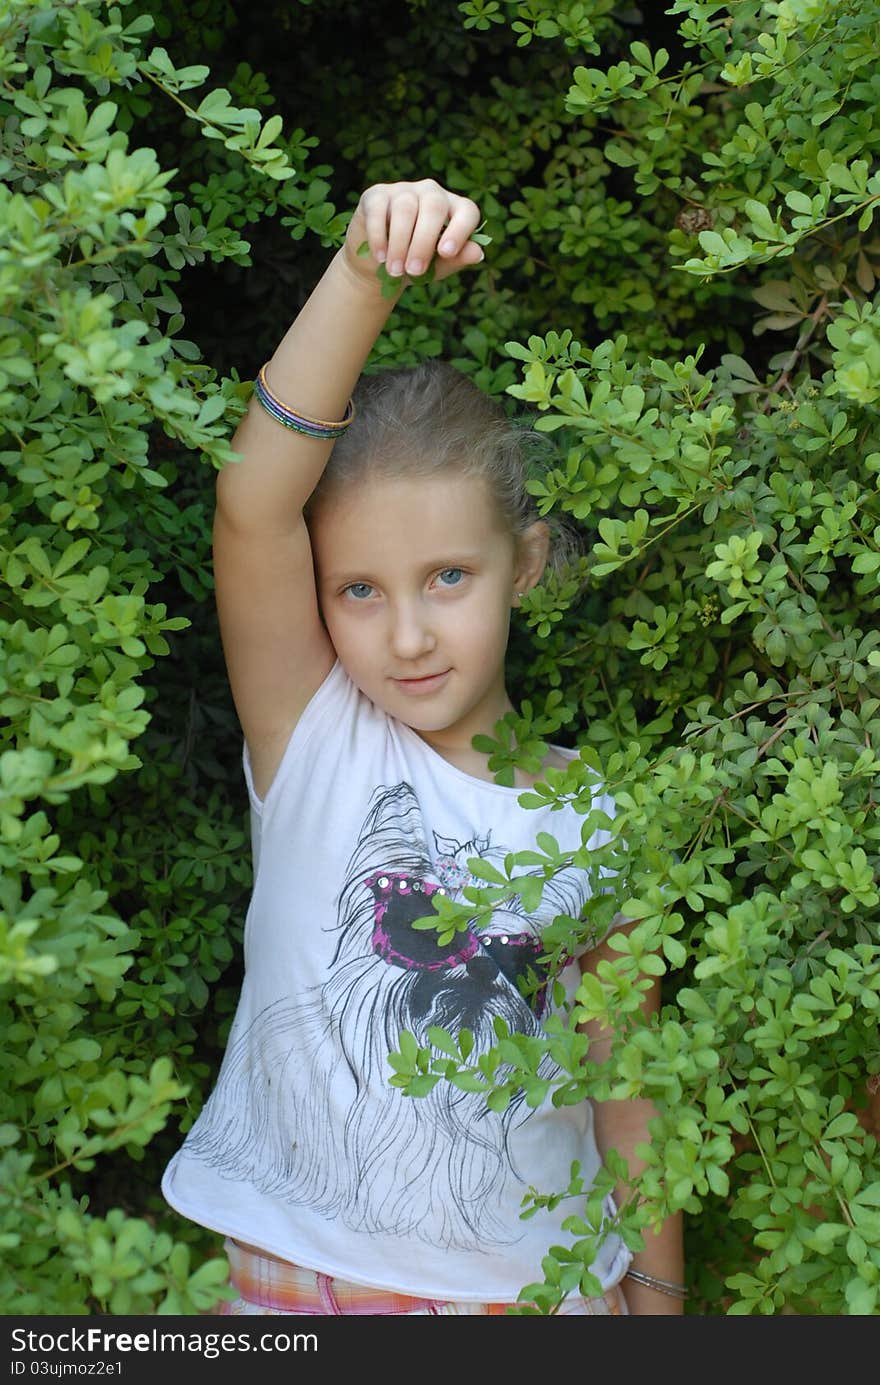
(650, 1281)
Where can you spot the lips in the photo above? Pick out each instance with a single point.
(426, 684)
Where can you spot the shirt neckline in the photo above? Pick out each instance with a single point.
(472, 780)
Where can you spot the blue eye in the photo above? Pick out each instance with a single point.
(450, 576)
(359, 590)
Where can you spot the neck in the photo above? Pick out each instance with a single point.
(454, 742)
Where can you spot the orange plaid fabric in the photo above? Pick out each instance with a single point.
(267, 1286)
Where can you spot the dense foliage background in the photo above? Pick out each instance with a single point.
(681, 287)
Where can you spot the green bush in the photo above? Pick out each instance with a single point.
(682, 289)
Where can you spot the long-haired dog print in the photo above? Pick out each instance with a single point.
(425, 1166)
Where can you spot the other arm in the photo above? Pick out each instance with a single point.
(622, 1125)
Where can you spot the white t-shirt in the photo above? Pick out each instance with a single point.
(303, 1149)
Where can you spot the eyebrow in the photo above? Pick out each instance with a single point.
(457, 559)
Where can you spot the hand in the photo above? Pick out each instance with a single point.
(406, 226)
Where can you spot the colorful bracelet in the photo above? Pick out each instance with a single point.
(298, 423)
(650, 1281)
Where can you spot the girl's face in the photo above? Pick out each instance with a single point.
(416, 580)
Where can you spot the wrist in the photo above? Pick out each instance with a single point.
(361, 274)
(671, 1288)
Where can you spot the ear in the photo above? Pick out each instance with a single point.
(532, 550)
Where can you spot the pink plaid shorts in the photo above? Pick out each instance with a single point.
(269, 1287)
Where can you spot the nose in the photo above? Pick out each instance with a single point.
(411, 632)
(482, 970)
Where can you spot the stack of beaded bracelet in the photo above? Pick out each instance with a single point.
(299, 423)
(650, 1281)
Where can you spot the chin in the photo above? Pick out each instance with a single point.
(422, 720)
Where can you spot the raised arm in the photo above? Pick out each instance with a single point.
(276, 649)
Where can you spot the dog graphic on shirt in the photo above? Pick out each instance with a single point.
(342, 1140)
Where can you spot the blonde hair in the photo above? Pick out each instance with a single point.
(429, 419)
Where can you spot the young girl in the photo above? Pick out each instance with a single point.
(364, 601)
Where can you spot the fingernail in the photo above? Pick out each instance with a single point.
(482, 257)
(414, 266)
(396, 267)
(380, 256)
(446, 247)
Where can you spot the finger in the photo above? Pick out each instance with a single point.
(464, 220)
(402, 215)
(374, 210)
(434, 214)
(471, 254)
